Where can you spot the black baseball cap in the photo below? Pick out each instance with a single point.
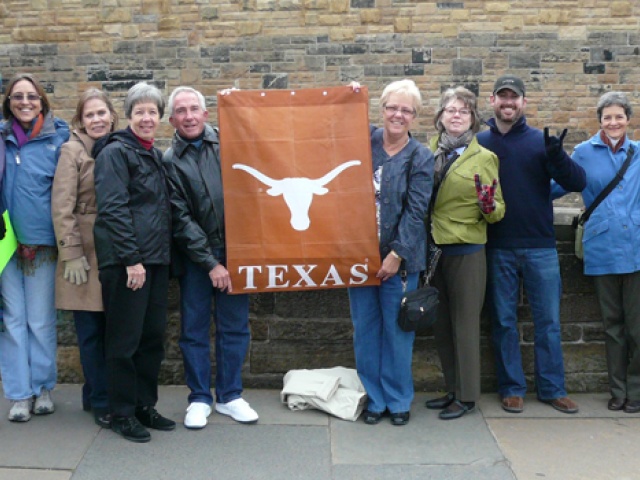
(511, 82)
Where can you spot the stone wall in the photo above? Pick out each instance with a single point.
(569, 53)
(313, 330)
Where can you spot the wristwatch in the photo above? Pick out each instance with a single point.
(398, 257)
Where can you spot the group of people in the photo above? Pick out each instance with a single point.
(486, 198)
(103, 219)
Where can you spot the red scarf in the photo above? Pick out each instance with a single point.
(607, 141)
(146, 144)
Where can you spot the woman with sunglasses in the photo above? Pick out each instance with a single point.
(33, 137)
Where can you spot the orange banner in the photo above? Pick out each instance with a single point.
(298, 189)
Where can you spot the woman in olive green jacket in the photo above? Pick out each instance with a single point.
(466, 197)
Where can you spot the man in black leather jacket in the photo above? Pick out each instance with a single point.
(192, 167)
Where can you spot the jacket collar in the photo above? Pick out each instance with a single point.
(180, 144)
(597, 142)
(520, 125)
(86, 141)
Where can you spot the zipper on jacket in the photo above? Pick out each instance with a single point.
(18, 158)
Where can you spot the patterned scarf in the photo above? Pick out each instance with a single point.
(446, 145)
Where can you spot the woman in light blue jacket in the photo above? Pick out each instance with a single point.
(612, 245)
(28, 345)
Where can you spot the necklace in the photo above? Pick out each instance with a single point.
(393, 149)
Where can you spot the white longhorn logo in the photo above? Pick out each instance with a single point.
(297, 191)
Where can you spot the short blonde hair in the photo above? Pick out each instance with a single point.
(402, 87)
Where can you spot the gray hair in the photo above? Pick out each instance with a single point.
(179, 90)
(402, 87)
(143, 92)
(610, 99)
(468, 98)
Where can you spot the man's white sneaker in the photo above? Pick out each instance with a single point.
(20, 410)
(44, 403)
(197, 413)
(239, 410)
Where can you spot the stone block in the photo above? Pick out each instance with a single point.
(169, 23)
(524, 60)
(282, 356)
(209, 13)
(248, 28)
(402, 25)
(497, 7)
(594, 68)
(338, 6)
(311, 329)
(621, 9)
(421, 55)
(115, 15)
(370, 15)
(363, 3)
(466, 66)
(275, 80)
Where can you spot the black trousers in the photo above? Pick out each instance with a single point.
(134, 337)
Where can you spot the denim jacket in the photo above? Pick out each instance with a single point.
(403, 205)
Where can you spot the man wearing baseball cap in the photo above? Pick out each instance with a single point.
(523, 245)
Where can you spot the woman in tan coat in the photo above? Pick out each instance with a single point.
(73, 206)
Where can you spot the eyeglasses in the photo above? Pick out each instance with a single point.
(393, 109)
(463, 112)
(19, 97)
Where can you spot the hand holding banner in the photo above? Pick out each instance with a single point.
(298, 189)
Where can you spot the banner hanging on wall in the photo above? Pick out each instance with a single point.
(298, 189)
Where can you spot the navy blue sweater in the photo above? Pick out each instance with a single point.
(525, 177)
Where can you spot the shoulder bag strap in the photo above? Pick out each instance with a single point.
(609, 188)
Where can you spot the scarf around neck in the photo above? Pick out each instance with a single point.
(607, 141)
(23, 137)
(446, 145)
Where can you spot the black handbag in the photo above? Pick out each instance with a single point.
(419, 308)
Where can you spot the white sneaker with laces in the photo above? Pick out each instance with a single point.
(20, 410)
(239, 410)
(44, 403)
(197, 413)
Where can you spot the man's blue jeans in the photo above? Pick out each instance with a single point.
(540, 272)
(383, 352)
(232, 336)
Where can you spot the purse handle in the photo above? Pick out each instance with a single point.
(609, 188)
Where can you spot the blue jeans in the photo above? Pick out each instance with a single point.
(383, 352)
(540, 272)
(232, 335)
(90, 329)
(28, 346)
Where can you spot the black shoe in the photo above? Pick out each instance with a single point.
(371, 418)
(456, 410)
(632, 406)
(130, 429)
(150, 418)
(102, 417)
(440, 402)
(400, 418)
(616, 403)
